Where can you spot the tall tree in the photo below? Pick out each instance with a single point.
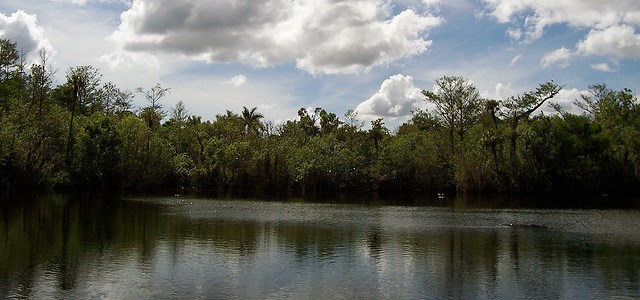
(458, 105)
(179, 113)
(308, 122)
(40, 81)
(251, 120)
(591, 101)
(153, 113)
(351, 120)
(117, 101)
(9, 58)
(377, 132)
(85, 83)
(521, 107)
(329, 122)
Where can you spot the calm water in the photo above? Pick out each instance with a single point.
(186, 248)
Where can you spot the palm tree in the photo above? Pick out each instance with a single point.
(251, 120)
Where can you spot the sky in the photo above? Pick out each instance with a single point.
(372, 56)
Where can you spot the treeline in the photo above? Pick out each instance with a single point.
(85, 133)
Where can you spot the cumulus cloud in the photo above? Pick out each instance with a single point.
(120, 58)
(84, 2)
(76, 2)
(617, 41)
(613, 23)
(603, 67)
(22, 29)
(320, 36)
(397, 97)
(535, 15)
(237, 81)
(500, 92)
(566, 99)
(559, 56)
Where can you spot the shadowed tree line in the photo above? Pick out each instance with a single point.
(85, 133)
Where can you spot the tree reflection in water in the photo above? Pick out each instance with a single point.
(68, 247)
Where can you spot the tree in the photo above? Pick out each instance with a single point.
(9, 58)
(117, 101)
(458, 105)
(153, 113)
(521, 107)
(154, 95)
(97, 149)
(145, 158)
(85, 82)
(40, 81)
(328, 122)
(618, 113)
(491, 137)
(351, 117)
(308, 122)
(590, 103)
(251, 121)
(377, 133)
(179, 113)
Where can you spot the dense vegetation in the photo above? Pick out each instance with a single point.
(85, 133)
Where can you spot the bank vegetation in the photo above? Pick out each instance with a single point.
(85, 134)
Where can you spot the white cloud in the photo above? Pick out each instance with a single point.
(325, 36)
(397, 97)
(23, 29)
(120, 59)
(514, 33)
(612, 25)
(603, 67)
(84, 2)
(516, 59)
(237, 81)
(565, 98)
(617, 41)
(559, 56)
(535, 15)
(501, 91)
(76, 2)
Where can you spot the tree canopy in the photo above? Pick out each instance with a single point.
(85, 133)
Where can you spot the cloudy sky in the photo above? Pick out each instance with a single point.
(374, 56)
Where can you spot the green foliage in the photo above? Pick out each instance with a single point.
(145, 158)
(251, 121)
(83, 134)
(31, 148)
(415, 161)
(458, 105)
(97, 151)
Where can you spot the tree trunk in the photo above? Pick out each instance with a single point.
(70, 136)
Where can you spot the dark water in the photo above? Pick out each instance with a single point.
(186, 248)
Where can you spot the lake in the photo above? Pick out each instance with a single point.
(181, 247)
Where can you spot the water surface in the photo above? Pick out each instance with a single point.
(181, 247)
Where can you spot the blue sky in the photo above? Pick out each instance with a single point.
(370, 55)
